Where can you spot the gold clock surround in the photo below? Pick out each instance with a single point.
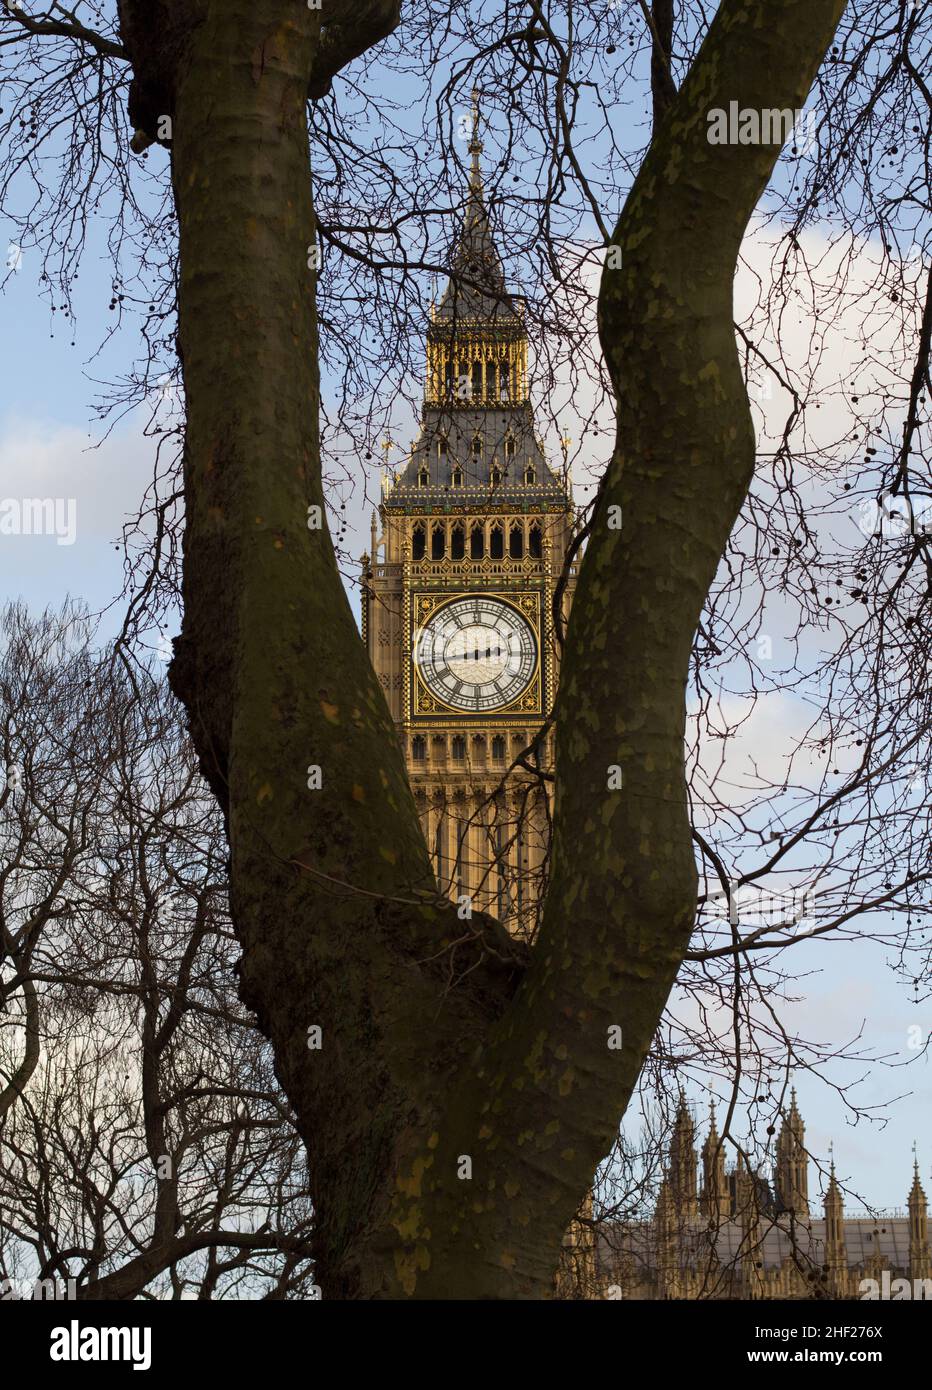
(424, 705)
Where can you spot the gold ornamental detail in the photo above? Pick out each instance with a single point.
(424, 703)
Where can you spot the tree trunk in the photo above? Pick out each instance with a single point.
(433, 1054)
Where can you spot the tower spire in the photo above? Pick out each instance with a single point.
(920, 1263)
(475, 146)
(792, 1163)
(684, 1161)
(834, 1216)
(713, 1199)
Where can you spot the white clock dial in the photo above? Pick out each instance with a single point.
(476, 654)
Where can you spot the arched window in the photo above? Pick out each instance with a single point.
(418, 541)
(516, 542)
(456, 477)
(458, 748)
(477, 447)
(438, 543)
(497, 543)
(476, 541)
(495, 475)
(423, 478)
(503, 380)
(441, 447)
(419, 748)
(535, 542)
(458, 541)
(498, 749)
(510, 446)
(530, 474)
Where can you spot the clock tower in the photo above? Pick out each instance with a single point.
(458, 592)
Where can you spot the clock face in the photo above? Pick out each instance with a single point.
(476, 654)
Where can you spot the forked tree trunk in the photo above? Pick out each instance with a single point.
(432, 1054)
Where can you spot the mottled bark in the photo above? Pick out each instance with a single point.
(428, 1055)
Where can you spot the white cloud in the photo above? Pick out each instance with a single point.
(41, 459)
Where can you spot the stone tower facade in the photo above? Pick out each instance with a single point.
(458, 590)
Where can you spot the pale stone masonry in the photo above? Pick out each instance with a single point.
(733, 1234)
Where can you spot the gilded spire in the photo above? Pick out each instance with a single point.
(476, 293)
(475, 147)
(477, 425)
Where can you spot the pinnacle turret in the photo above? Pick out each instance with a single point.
(792, 1163)
(713, 1199)
(917, 1196)
(684, 1161)
(920, 1263)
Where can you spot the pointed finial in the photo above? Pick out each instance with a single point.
(916, 1193)
(475, 145)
